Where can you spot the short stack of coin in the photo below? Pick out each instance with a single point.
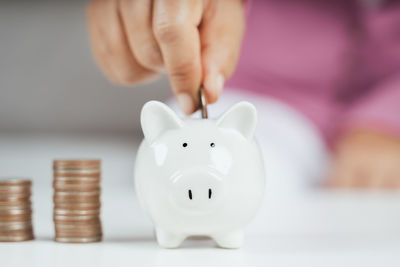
(15, 210)
(77, 201)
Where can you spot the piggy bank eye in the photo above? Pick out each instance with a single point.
(184, 144)
(212, 145)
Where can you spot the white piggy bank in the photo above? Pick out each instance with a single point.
(199, 177)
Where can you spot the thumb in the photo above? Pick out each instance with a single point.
(221, 35)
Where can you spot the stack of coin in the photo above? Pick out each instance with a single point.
(77, 201)
(15, 210)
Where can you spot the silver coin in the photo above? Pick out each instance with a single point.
(203, 103)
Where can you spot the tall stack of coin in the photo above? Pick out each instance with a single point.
(77, 200)
(15, 210)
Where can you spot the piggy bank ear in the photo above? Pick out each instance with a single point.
(157, 118)
(241, 117)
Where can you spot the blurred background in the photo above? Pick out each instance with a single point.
(48, 78)
(51, 89)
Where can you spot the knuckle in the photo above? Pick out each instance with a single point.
(104, 51)
(126, 77)
(134, 79)
(167, 31)
(182, 72)
(107, 46)
(150, 57)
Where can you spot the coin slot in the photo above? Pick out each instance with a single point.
(190, 194)
(209, 193)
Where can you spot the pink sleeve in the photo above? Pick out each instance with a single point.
(380, 109)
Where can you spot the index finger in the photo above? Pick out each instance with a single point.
(175, 25)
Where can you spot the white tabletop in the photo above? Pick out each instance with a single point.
(129, 240)
(316, 228)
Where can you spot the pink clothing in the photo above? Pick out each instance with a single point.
(336, 61)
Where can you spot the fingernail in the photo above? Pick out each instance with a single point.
(220, 83)
(185, 102)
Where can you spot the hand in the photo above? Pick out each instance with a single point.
(367, 159)
(197, 41)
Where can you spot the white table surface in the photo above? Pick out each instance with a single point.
(312, 229)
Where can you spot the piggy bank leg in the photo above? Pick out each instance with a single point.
(168, 240)
(230, 240)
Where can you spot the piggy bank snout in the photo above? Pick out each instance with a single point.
(197, 191)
